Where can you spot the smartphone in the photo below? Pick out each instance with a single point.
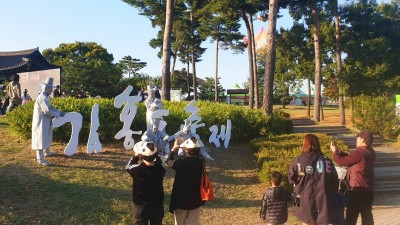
(333, 140)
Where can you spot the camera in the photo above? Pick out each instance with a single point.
(295, 200)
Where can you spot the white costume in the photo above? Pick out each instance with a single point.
(43, 113)
(152, 104)
(185, 135)
(160, 140)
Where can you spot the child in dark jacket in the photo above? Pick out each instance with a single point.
(147, 172)
(274, 208)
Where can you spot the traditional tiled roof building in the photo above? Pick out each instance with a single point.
(22, 61)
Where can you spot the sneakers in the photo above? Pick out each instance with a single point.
(43, 162)
(49, 154)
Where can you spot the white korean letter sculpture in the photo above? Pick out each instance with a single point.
(127, 116)
(76, 122)
(224, 135)
(94, 144)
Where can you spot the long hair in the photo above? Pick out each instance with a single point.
(311, 144)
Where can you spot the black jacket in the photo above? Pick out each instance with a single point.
(186, 189)
(274, 208)
(147, 185)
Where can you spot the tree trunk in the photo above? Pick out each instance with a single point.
(317, 91)
(216, 70)
(250, 54)
(194, 75)
(352, 109)
(309, 98)
(339, 66)
(173, 62)
(193, 60)
(256, 92)
(270, 58)
(188, 78)
(322, 108)
(166, 57)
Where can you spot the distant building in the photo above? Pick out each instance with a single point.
(301, 98)
(31, 66)
(237, 96)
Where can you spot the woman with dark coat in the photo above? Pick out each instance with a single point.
(186, 201)
(315, 180)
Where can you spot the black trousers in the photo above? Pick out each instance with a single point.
(144, 214)
(359, 202)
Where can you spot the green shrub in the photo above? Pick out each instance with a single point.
(277, 154)
(377, 114)
(247, 124)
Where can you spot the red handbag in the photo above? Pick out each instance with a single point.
(206, 190)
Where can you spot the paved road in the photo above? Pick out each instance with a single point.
(386, 210)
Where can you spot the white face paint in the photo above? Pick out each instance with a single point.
(309, 169)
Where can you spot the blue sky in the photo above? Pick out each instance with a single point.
(115, 25)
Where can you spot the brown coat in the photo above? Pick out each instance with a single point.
(360, 173)
(14, 92)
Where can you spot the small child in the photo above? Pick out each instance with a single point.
(148, 173)
(274, 208)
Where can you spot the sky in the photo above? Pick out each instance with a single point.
(115, 25)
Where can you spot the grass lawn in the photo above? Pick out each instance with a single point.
(331, 115)
(96, 189)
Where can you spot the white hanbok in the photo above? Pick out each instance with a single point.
(152, 105)
(182, 137)
(159, 139)
(42, 131)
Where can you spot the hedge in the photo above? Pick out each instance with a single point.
(247, 124)
(377, 114)
(277, 153)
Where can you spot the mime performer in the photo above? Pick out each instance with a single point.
(152, 104)
(186, 134)
(42, 131)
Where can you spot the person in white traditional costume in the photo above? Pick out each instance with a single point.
(42, 131)
(184, 135)
(160, 140)
(152, 105)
